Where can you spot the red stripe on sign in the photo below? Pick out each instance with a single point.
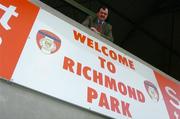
(16, 20)
(171, 94)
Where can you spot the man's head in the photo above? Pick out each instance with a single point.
(102, 13)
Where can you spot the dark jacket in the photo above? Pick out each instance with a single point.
(106, 29)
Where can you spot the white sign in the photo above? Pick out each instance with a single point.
(67, 63)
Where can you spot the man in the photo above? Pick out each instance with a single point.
(98, 23)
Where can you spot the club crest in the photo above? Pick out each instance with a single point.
(151, 90)
(48, 42)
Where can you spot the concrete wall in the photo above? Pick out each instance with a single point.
(17, 102)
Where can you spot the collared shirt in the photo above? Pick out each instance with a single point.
(100, 22)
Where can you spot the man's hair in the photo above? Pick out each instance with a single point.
(103, 7)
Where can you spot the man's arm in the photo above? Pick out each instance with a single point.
(87, 22)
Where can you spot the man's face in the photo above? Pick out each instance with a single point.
(102, 14)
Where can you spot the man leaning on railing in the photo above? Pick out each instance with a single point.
(98, 23)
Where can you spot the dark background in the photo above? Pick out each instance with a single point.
(148, 29)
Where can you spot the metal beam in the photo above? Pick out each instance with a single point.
(80, 7)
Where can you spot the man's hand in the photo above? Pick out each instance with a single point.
(94, 29)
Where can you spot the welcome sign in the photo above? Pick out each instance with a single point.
(62, 61)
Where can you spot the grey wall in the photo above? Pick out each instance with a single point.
(17, 102)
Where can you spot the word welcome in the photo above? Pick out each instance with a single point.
(104, 50)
